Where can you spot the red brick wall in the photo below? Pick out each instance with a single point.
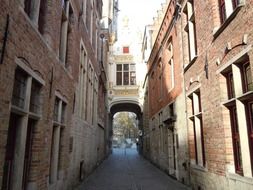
(41, 54)
(158, 98)
(216, 127)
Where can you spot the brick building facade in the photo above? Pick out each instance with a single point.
(167, 120)
(52, 132)
(217, 42)
(213, 46)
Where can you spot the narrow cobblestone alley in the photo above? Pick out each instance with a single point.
(129, 171)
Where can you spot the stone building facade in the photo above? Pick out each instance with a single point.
(167, 133)
(217, 39)
(52, 130)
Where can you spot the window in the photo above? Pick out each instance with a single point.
(59, 122)
(88, 14)
(19, 89)
(82, 83)
(230, 85)
(247, 85)
(35, 97)
(236, 140)
(10, 150)
(222, 10)
(197, 124)
(238, 78)
(226, 8)
(125, 74)
(25, 106)
(95, 101)
(28, 151)
(161, 86)
(59, 111)
(234, 122)
(42, 16)
(89, 94)
(235, 3)
(161, 139)
(249, 112)
(56, 108)
(190, 30)
(119, 74)
(63, 113)
(67, 16)
(246, 77)
(27, 7)
(94, 30)
(170, 67)
(84, 2)
(36, 10)
(91, 27)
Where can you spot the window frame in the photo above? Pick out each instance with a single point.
(222, 9)
(196, 116)
(249, 117)
(230, 84)
(245, 80)
(190, 29)
(22, 113)
(236, 140)
(127, 73)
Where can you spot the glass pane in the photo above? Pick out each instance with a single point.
(126, 78)
(63, 113)
(132, 67)
(230, 85)
(239, 157)
(28, 152)
(119, 78)
(14, 123)
(56, 108)
(199, 101)
(236, 140)
(132, 78)
(35, 97)
(19, 89)
(251, 118)
(249, 81)
(126, 67)
(119, 67)
(235, 3)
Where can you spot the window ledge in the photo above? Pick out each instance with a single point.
(199, 114)
(217, 32)
(59, 123)
(229, 102)
(190, 64)
(35, 116)
(199, 168)
(238, 177)
(246, 96)
(18, 110)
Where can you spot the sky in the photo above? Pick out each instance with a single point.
(140, 12)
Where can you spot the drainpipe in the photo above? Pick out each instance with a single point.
(5, 39)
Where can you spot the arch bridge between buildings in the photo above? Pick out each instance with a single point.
(126, 106)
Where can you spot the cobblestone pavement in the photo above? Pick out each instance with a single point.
(126, 170)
